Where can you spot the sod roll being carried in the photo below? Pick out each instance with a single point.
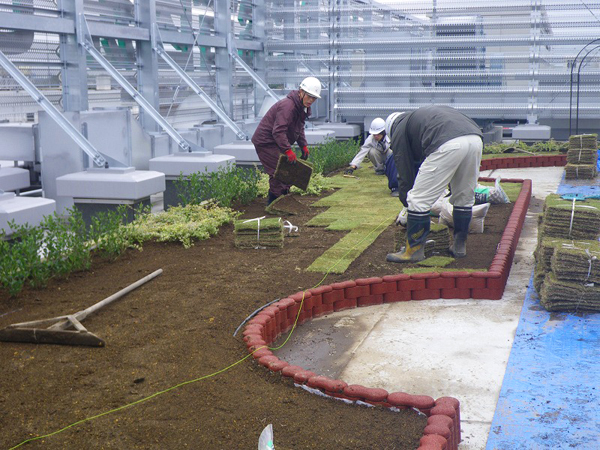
(297, 174)
(259, 232)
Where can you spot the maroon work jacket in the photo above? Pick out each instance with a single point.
(283, 125)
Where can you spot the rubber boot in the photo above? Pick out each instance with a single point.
(417, 229)
(461, 215)
(270, 198)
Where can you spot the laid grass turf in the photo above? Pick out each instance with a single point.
(436, 261)
(363, 206)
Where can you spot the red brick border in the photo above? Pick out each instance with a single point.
(443, 415)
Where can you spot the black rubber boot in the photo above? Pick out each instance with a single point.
(270, 198)
(461, 215)
(417, 230)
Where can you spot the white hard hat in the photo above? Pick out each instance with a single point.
(377, 126)
(311, 86)
(390, 121)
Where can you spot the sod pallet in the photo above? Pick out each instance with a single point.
(587, 156)
(580, 171)
(258, 233)
(543, 259)
(583, 141)
(561, 295)
(567, 219)
(577, 262)
(583, 150)
(569, 249)
(297, 174)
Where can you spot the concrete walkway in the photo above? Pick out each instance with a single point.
(457, 348)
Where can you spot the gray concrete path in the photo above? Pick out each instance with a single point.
(456, 348)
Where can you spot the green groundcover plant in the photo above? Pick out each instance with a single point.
(181, 223)
(59, 246)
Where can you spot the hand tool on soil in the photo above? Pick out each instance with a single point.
(517, 149)
(347, 175)
(58, 332)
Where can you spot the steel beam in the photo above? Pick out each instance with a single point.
(86, 41)
(158, 47)
(258, 80)
(61, 120)
(40, 24)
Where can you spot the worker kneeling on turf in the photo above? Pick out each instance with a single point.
(449, 144)
(376, 148)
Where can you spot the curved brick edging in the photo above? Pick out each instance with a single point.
(443, 415)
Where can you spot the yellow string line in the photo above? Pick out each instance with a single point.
(156, 394)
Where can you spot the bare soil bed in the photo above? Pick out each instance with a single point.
(179, 327)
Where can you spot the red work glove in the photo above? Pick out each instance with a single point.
(291, 156)
(304, 153)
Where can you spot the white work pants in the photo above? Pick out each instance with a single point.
(455, 163)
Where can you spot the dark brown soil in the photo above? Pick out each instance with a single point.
(178, 328)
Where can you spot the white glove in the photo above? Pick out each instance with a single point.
(402, 217)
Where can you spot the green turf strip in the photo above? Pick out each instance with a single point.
(363, 206)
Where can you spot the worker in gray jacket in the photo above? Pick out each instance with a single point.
(280, 128)
(376, 148)
(448, 145)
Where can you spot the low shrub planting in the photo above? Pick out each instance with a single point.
(224, 186)
(58, 247)
(550, 146)
(332, 155)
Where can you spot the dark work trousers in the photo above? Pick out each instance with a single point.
(268, 156)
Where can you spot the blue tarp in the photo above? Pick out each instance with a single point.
(550, 395)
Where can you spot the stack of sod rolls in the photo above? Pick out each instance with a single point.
(567, 219)
(567, 271)
(258, 233)
(582, 157)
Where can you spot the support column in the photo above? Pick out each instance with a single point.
(334, 35)
(147, 63)
(223, 63)
(73, 58)
(534, 61)
(258, 28)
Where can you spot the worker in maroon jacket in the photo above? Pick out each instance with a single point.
(280, 128)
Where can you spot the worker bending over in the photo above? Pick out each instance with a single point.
(280, 128)
(449, 144)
